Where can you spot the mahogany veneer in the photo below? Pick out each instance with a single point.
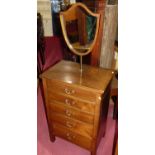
(77, 102)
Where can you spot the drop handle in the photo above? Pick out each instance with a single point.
(68, 113)
(69, 102)
(70, 137)
(68, 124)
(69, 92)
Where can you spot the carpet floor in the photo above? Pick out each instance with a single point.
(62, 147)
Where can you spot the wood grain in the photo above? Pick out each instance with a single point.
(76, 126)
(77, 103)
(93, 79)
(78, 119)
(70, 90)
(67, 111)
(65, 133)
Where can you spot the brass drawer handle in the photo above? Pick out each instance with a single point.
(68, 113)
(68, 124)
(70, 137)
(68, 102)
(69, 92)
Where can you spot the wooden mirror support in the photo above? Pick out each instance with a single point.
(70, 15)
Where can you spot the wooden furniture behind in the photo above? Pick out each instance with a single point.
(77, 102)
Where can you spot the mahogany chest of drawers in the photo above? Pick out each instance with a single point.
(76, 102)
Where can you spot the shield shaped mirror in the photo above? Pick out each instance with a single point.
(80, 29)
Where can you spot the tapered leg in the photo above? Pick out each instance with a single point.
(105, 108)
(93, 152)
(52, 138)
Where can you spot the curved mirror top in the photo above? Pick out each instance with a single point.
(80, 28)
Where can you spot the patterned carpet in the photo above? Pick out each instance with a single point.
(62, 147)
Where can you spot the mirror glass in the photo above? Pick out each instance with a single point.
(81, 30)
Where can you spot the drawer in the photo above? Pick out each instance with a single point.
(76, 103)
(65, 133)
(74, 125)
(71, 90)
(70, 112)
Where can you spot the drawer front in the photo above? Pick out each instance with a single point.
(84, 106)
(74, 125)
(65, 133)
(70, 112)
(71, 90)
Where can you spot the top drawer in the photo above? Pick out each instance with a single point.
(71, 90)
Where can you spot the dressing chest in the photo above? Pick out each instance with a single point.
(76, 102)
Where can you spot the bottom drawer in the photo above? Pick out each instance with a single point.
(79, 127)
(64, 133)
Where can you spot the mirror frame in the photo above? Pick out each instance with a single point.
(70, 15)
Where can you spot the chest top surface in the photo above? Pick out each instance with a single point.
(69, 72)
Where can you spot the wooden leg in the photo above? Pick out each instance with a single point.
(115, 112)
(105, 108)
(93, 152)
(52, 138)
